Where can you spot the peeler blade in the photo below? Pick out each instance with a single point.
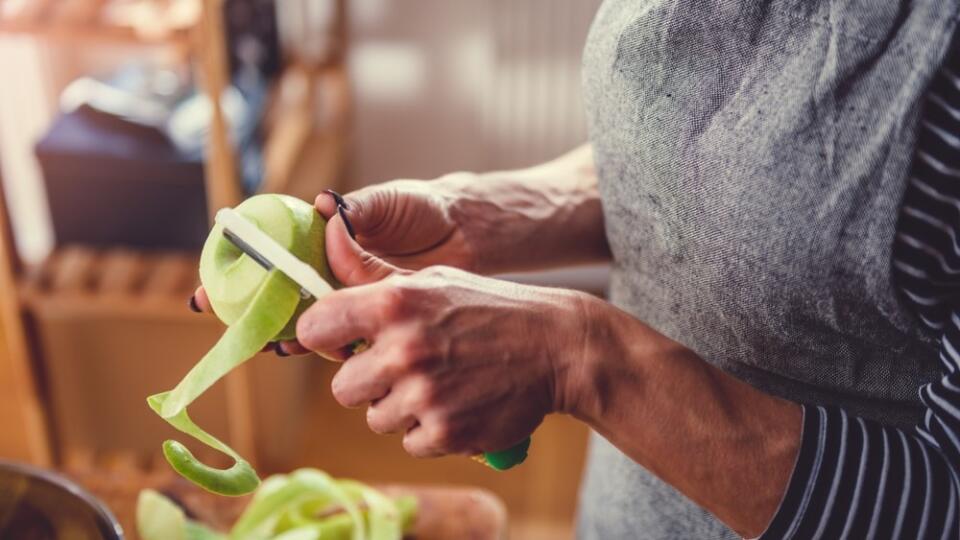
(249, 251)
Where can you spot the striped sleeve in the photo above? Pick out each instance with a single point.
(858, 479)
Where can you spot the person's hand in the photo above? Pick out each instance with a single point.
(458, 362)
(407, 223)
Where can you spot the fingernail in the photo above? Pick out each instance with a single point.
(279, 351)
(338, 198)
(193, 304)
(346, 222)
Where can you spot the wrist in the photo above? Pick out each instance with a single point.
(616, 358)
(579, 365)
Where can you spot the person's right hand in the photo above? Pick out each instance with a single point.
(407, 223)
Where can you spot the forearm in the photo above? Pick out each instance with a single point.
(536, 218)
(759, 463)
(725, 445)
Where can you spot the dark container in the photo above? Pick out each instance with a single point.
(39, 505)
(111, 182)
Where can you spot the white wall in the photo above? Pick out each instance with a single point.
(444, 85)
(447, 85)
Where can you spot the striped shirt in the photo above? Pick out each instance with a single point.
(859, 479)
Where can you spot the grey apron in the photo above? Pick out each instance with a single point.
(752, 157)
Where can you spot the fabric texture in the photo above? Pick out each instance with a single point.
(752, 159)
(859, 479)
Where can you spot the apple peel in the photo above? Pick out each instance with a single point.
(259, 307)
(307, 504)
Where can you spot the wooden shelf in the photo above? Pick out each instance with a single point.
(80, 281)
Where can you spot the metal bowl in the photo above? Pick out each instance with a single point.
(40, 505)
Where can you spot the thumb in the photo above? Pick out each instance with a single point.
(378, 215)
(365, 207)
(350, 263)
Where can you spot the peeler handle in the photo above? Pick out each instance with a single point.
(505, 459)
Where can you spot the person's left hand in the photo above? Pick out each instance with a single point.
(459, 362)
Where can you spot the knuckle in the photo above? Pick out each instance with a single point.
(315, 326)
(392, 303)
(419, 404)
(418, 337)
(436, 271)
(423, 396)
(444, 434)
(392, 367)
(439, 276)
(367, 270)
(411, 356)
(370, 264)
(433, 393)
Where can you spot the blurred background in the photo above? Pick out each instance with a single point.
(112, 156)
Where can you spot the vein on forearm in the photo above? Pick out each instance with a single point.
(537, 218)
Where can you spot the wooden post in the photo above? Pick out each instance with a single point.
(341, 31)
(25, 434)
(223, 189)
(222, 182)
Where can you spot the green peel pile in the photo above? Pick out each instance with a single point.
(258, 307)
(304, 505)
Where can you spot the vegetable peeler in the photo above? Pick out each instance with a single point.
(257, 245)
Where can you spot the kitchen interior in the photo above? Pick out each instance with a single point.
(114, 157)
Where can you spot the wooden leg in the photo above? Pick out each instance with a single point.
(223, 189)
(222, 182)
(24, 435)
